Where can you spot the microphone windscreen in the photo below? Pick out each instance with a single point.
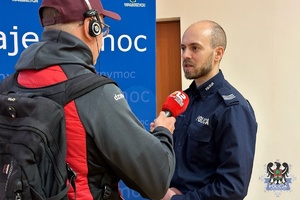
(176, 103)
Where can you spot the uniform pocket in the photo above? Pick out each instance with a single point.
(200, 145)
(199, 133)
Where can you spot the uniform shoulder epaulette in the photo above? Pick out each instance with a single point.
(228, 97)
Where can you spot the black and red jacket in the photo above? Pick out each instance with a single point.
(106, 142)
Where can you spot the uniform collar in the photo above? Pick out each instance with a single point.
(208, 87)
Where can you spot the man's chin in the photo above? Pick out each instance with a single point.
(189, 77)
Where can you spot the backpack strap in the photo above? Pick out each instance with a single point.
(62, 92)
(80, 85)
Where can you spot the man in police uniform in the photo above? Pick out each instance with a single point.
(214, 139)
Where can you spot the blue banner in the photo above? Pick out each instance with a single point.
(19, 29)
(127, 55)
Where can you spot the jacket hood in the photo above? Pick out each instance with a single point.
(56, 48)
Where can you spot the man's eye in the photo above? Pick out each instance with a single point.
(195, 48)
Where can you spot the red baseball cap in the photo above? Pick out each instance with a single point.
(73, 10)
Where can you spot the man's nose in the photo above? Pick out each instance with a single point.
(186, 54)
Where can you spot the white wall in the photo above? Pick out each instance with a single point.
(261, 60)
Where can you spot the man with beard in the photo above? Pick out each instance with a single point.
(214, 139)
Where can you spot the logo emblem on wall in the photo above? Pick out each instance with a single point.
(277, 177)
(134, 3)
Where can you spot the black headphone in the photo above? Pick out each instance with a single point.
(95, 27)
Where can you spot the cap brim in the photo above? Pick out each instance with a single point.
(111, 14)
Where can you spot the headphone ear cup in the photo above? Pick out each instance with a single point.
(94, 28)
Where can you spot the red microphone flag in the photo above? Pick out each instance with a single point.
(176, 103)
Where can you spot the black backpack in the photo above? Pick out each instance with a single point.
(33, 138)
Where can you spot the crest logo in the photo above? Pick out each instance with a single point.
(277, 177)
(133, 3)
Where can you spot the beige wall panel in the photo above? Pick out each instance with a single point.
(262, 60)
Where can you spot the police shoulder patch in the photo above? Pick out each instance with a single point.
(228, 97)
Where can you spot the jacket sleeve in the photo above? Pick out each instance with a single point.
(235, 137)
(145, 162)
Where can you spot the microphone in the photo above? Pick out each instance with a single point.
(175, 104)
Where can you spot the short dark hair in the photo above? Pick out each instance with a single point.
(218, 35)
(49, 12)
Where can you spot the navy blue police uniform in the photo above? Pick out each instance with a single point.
(214, 143)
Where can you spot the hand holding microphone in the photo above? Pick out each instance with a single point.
(175, 104)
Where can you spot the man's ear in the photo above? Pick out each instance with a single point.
(86, 25)
(219, 51)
